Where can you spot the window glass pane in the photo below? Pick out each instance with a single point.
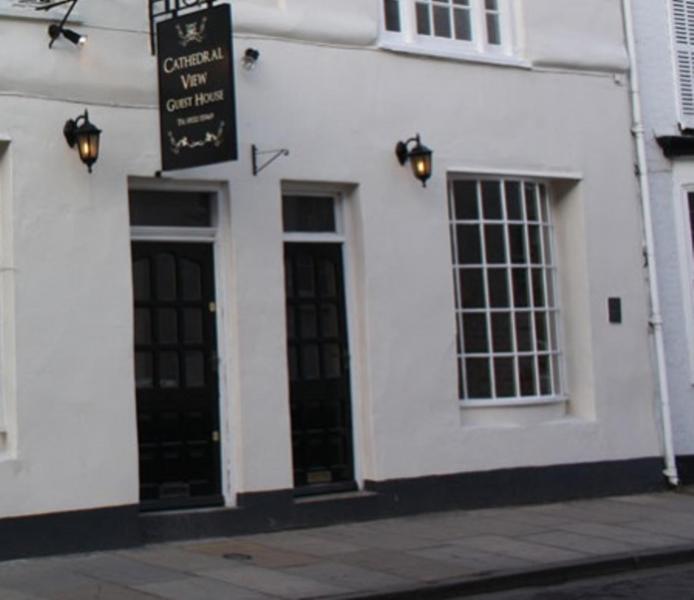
(491, 200)
(310, 362)
(495, 243)
(493, 29)
(141, 275)
(442, 21)
(513, 201)
(331, 361)
(491, 4)
(520, 287)
(144, 370)
(166, 277)
(504, 377)
(168, 370)
(192, 325)
(545, 375)
(465, 199)
(308, 213)
(167, 325)
(191, 280)
(541, 338)
(195, 370)
(328, 320)
(463, 26)
(531, 213)
(469, 245)
(478, 382)
(526, 372)
(523, 332)
(475, 328)
(308, 320)
(498, 288)
(170, 209)
(516, 239)
(535, 244)
(392, 14)
(423, 19)
(143, 326)
(472, 288)
(538, 287)
(501, 332)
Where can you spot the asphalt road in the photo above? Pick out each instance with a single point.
(671, 583)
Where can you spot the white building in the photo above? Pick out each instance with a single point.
(325, 282)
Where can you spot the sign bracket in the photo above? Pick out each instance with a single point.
(275, 155)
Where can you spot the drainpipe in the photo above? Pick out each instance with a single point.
(656, 319)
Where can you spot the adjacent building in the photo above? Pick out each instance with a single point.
(307, 333)
(665, 51)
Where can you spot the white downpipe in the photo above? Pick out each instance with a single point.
(656, 319)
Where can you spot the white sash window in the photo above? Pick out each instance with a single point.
(449, 26)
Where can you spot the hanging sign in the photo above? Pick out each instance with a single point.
(197, 111)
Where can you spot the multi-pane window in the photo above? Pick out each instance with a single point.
(476, 25)
(506, 302)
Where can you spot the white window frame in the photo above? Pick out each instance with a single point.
(478, 49)
(550, 280)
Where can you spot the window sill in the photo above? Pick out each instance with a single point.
(511, 402)
(462, 56)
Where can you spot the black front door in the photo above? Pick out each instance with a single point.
(175, 374)
(318, 368)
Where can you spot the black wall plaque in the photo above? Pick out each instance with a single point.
(196, 89)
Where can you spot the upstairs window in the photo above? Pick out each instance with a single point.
(450, 26)
(683, 40)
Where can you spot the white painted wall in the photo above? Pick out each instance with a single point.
(324, 90)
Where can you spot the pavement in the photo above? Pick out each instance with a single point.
(435, 555)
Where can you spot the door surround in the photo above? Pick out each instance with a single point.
(345, 196)
(218, 235)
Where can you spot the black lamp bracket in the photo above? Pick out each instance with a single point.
(56, 30)
(255, 153)
(401, 150)
(70, 129)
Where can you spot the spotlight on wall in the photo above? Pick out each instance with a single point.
(55, 31)
(85, 135)
(419, 156)
(250, 57)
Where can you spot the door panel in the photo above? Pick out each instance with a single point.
(318, 360)
(175, 374)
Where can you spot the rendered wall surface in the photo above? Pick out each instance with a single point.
(667, 182)
(325, 91)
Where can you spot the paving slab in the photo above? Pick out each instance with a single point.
(303, 543)
(245, 552)
(120, 569)
(627, 532)
(99, 591)
(351, 577)
(527, 550)
(178, 559)
(201, 588)
(403, 564)
(585, 544)
(473, 561)
(276, 583)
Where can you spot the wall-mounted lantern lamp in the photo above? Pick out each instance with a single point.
(419, 156)
(55, 31)
(250, 57)
(85, 135)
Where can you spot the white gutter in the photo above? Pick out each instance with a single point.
(656, 319)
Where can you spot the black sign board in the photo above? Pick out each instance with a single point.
(197, 111)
